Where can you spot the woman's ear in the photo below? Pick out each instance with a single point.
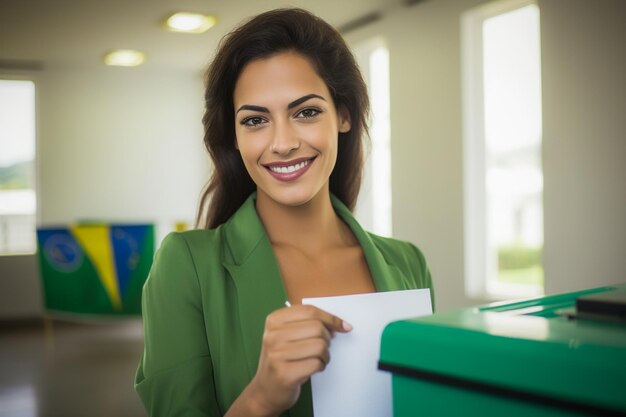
(344, 121)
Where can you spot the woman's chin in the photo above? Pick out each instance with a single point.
(291, 198)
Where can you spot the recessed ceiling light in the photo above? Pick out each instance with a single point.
(124, 58)
(190, 22)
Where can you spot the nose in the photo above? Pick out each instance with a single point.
(285, 140)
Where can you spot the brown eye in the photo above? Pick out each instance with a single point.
(308, 113)
(254, 121)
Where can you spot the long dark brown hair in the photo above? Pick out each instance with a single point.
(265, 35)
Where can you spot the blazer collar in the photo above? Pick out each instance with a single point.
(252, 264)
(386, 276)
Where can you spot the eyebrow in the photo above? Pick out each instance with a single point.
(289, 106)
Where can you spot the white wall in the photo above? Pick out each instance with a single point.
(584, 105)
(114, 144)
(584, 146)
(120, 145)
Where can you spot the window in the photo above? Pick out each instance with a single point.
(17, 167)
(374, 207)
(502, 150)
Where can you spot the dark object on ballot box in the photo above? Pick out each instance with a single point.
(608, 304)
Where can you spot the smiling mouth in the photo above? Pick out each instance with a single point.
(289, 170)
(290, 166)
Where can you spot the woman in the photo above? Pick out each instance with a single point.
(285, 113)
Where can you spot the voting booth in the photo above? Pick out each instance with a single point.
(562, 355)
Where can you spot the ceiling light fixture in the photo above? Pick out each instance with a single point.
(186, 22)
(124, 58)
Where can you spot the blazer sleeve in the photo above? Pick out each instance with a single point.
(175, 375)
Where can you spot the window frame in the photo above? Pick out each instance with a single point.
(477, 268)
(367, 211)
(29, 75)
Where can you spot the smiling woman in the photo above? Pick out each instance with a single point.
(292, 131)
(286, 109)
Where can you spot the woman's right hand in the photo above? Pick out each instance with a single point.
(295, 346)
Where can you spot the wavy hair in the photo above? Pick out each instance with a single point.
(269, 33)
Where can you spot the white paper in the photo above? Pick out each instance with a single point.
(351, 384)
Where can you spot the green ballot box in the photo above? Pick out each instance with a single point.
(562, 355)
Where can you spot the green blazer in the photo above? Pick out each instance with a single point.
(205, 303)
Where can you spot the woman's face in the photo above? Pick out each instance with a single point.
(287, 128)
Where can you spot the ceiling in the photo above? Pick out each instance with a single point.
(50, 33)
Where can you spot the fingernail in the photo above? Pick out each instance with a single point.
(346, 326)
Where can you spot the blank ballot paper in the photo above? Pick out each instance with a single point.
(351, 384)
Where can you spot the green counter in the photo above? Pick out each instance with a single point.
(537, 357)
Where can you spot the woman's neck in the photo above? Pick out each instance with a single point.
(312, 227)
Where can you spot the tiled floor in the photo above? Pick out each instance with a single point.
(75, 370)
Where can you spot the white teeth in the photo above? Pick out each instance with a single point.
(290, 168)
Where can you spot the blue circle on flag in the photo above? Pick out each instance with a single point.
(63, 253)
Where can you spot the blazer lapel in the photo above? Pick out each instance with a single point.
(255, 272)
(387, 277)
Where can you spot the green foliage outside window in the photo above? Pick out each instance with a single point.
(520, 264)
(17, 176)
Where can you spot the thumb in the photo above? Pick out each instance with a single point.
(341, 325)
(345, 326)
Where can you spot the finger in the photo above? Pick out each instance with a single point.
(304, 329)
(308, 312)
(332, 322)
(308, 367)
(300, 371)
(295, 331)
(303, 350)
